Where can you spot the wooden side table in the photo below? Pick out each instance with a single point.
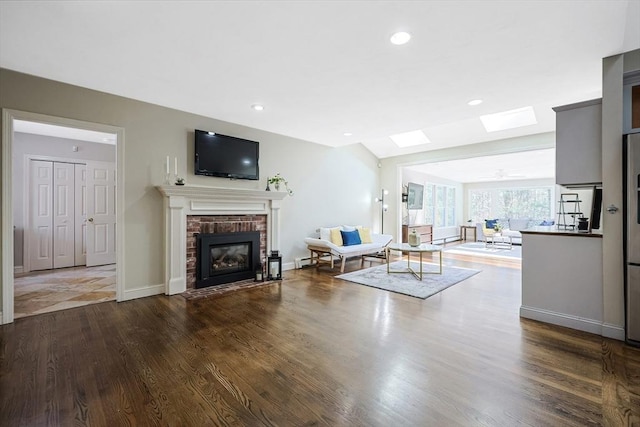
(464, 229)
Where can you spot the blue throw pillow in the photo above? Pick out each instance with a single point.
(490, 223)
(547, 223)
(350, 237)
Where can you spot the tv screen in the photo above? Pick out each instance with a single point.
(415, 196)
(225, 156)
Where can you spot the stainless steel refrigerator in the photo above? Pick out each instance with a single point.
(632, 236)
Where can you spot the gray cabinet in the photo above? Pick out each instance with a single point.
(579, 143)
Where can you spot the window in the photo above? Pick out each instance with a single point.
(440, 205)
(428, 204)
(532, 203)
(450, 208)
(480, 203)
(524, 203)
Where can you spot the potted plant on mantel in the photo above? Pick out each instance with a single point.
(278, 181)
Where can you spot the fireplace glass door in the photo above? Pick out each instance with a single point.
(226, 257)
(231, 258)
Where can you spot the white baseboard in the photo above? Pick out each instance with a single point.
(288, 266)
(17, 269)
(561, 319)
(301, 262)
(147, 291)
(615, 332)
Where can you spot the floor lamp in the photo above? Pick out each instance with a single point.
(383, 208)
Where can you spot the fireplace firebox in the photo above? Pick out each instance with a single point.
(226, 257)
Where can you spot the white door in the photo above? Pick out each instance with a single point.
(63, 215)
(101, 213)
(81, 214)
(40, 215)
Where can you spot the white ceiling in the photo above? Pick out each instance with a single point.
(505, 167)
(322, 68)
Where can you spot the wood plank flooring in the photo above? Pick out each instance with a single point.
(317, 351)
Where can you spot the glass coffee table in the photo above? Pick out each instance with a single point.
(408, 249)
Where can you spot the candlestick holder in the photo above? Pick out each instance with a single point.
(167, 179)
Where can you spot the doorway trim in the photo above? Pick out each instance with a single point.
(6, 196)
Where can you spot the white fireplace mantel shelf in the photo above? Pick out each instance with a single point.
(181, 201)
(199, 192)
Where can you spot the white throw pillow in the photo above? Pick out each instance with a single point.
(325, 233)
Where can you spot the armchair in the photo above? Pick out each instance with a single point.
(488, 231)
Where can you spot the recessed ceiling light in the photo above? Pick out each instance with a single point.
(409, 139)
(474, 102)
(400, 38)
(257, 107)
(347, 134)
(511, 119)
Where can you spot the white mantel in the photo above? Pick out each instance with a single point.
(181, 201)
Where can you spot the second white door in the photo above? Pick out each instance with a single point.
(101, 213)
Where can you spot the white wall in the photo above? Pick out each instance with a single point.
(28, 144)
(613, 69)
(331, 185)
(417, 216)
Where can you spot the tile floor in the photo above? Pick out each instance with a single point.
(52, 290)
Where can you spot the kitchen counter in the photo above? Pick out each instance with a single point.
(562, 278)
(552, 230)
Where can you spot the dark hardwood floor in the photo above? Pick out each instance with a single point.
(315, 350)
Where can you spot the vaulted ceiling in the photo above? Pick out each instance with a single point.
(325, 68)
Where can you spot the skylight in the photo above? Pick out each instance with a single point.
(511, 119)
(409, 139)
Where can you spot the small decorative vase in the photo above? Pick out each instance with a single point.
(277, 185)
(414, 238)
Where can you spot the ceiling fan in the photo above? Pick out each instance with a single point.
(502, 174)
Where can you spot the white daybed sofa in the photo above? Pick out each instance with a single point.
(510, 228)
(322, 246)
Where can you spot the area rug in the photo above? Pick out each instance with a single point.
(480, 249)
(407, 284)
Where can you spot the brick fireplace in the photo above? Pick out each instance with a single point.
(221, 225)
(213, 208)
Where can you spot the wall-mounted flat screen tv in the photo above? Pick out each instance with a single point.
(415, 195)
(225, 156)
